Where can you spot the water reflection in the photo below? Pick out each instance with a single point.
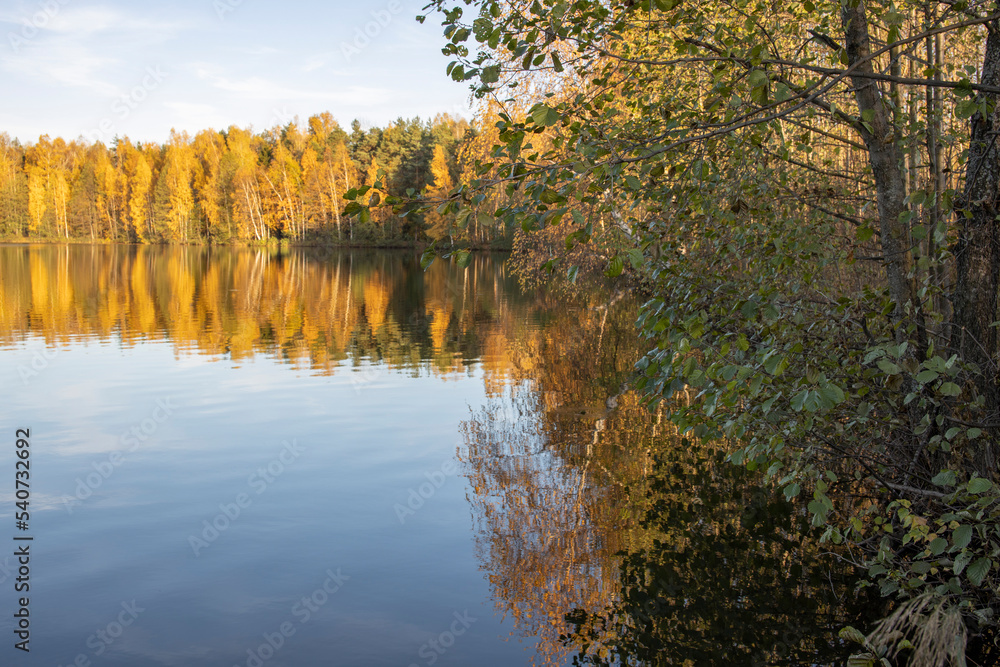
(313, 309)
(618, 542)
(605, 537)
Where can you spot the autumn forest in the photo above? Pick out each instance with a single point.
(237, 185)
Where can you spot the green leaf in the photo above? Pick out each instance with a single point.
(978, 571)
(463, 257)
(874, 354)
(851, 634)
(556, 63)
(888, 367)
(966, 107)
(938, 545)
(615, 268)
(490, 74)
(950, 389)
(961, 536)
(961, 561)
(757, 78)
(799, 400)
(926, 376)
(980, 485)
(428, 257)
(772, 364)
(861, 660)
(817, 508)
(833, 394)
(545, 115)
(945, 478)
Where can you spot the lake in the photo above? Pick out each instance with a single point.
(253, 457)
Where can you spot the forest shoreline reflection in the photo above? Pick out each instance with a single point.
(617, 541)
(315, 309)
(601, 530)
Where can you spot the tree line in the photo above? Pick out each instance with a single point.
(234, 185)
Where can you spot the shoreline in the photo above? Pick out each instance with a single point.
(418, 246)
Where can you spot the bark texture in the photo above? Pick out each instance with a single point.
(977, 250)
(884, 154)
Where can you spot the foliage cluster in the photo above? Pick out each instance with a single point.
(811, 193)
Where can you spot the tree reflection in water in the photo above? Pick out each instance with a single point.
(603, 532)
(616, 541)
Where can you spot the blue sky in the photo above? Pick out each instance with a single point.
(95, 69)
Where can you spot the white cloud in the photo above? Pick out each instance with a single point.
(78, 46)
(87, 21)
(259, 88)
(194, 114)
(317, 61)
(91, 53)
(91, 20)
(259, 51)
(64, 63)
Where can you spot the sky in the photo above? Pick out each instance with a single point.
(99, 69)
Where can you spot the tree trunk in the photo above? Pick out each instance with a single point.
(977, 250)
(347, 185)
(884, 155)
(335, 199)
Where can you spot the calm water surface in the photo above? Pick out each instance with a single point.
(241, 457)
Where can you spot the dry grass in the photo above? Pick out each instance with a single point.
(930, 627)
